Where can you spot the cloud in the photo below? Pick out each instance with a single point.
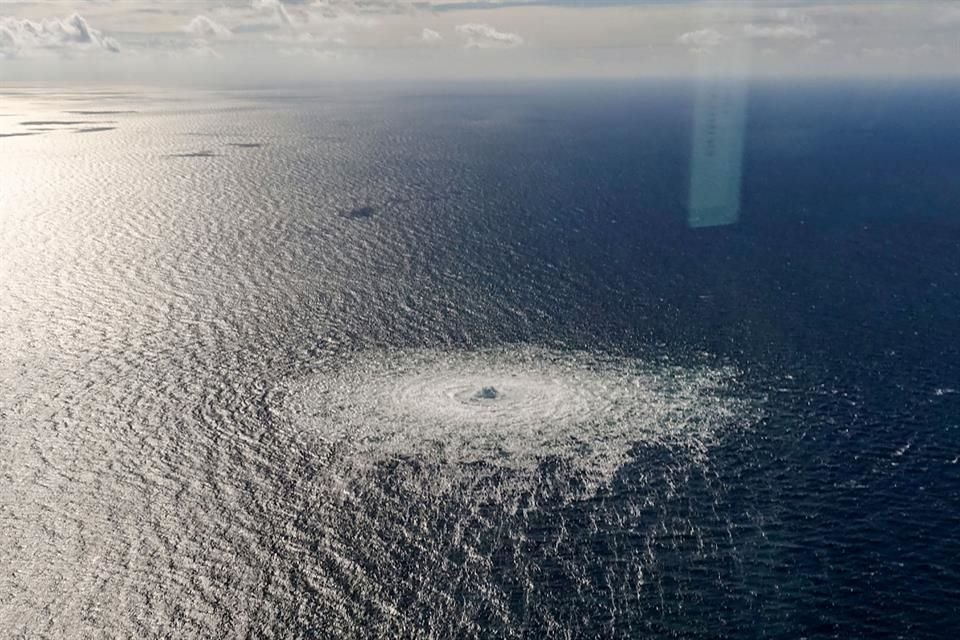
(391, 38)
(783, 25)
(202, 51)
(305, 38)
(483, 36)
(430, 36)
(780, 32)
(788, 25)
(278, 12)
(949, 17)
(323, 55)
(701, 39)
(204, 27)
(23, 37)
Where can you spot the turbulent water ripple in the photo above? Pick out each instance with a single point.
(516, 406)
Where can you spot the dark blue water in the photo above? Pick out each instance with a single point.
(467, 218)
(844, 272)
(844, 275)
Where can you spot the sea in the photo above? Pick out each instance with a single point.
(449, 361)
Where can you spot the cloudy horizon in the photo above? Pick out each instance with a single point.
(298, 40)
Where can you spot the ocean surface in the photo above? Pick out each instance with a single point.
(448, 362)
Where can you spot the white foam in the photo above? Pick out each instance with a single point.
(516, 406)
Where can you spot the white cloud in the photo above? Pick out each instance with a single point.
(393, 38)
(204, 27)
(787, 25)
(323, 55)
(202, 51)
(823, 45)
(483, 36)
(305, 38)
(701, 39)
(430, 36)
(781, 31)
(23, 37)
(949, 17)
(278, 12)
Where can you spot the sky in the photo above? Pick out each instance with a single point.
(272, 41)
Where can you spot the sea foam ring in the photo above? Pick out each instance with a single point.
(515, 406)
